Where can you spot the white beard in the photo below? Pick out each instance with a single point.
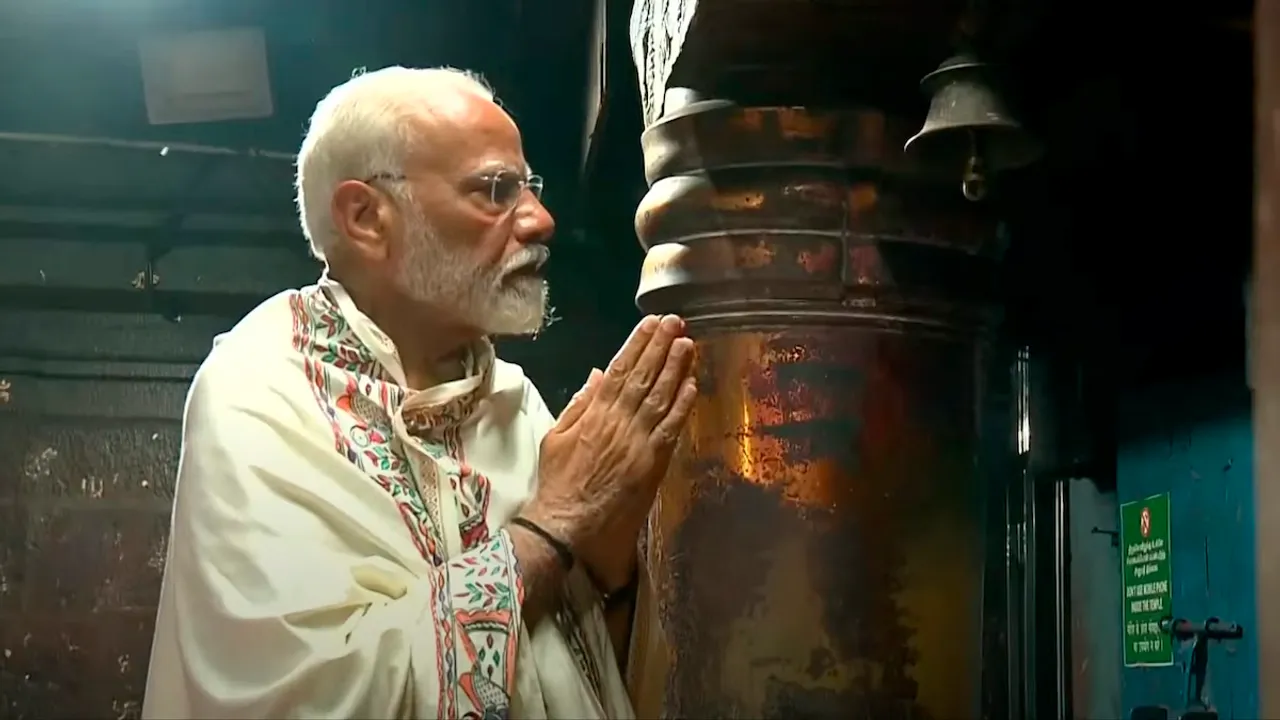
(490, 299)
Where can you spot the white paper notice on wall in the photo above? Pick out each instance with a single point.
(206, 76)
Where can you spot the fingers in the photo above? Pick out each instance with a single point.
(662, 395)
(653, 359)
(664, 435)
(627, 357)
(580, 401)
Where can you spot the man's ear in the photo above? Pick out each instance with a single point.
(363, 216)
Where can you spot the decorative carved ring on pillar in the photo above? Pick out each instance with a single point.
(817, 549)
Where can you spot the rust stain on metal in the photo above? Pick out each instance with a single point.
(866, 266)
(816, 442)
(743, 419)
(803, 124)
(750, 120)
(739, 201)
(863, 198)
(824, 260)
(757, 255)
(872, 146)
(815, 193)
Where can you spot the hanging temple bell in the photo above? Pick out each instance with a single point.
(968, 131)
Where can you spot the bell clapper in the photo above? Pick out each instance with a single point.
(974, 184)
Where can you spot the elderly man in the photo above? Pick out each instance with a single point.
(374, 516)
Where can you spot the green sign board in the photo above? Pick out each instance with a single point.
(1147, 581)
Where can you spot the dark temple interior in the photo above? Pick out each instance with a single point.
(997, 383)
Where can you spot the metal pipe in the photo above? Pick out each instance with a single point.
(156, 146)
(1030, 596)
(1014, 543)
(1212, 629)
(1062, 590)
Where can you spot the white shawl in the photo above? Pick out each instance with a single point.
(335, 549)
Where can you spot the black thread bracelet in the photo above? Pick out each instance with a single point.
(623, 595)
(562, 551)
(610, 599)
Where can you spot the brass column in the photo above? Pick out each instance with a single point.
(817, 550)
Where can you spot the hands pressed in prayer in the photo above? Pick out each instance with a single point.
(602, 463)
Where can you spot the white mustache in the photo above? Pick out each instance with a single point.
(534, 256)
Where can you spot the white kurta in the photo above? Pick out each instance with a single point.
(336, 548)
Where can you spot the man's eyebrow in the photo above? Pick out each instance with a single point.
(499, 166)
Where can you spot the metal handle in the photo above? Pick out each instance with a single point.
(1211, 629)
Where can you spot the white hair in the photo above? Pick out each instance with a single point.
(358, 131)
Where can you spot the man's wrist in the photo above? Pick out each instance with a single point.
(541, 569)
(553, 519)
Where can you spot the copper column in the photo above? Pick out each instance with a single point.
(818, 548)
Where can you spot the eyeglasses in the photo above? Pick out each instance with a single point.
(505, 186)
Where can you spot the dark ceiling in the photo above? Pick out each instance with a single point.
(1133, 236)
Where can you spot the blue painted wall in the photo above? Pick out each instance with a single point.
(1195, 440)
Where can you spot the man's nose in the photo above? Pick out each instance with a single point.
(534, 223)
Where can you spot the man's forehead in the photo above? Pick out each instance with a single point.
(462, 127)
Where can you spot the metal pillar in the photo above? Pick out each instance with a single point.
(819, 548)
